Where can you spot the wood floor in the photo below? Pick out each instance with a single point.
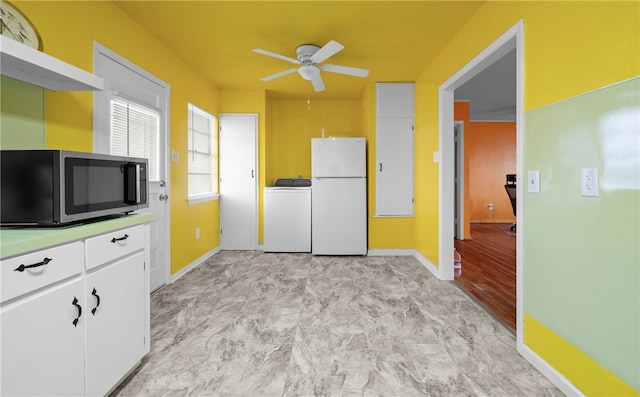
(489, 269)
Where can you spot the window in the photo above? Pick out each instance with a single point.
(203, 154)
(135, 132)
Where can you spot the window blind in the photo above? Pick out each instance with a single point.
(135, 132)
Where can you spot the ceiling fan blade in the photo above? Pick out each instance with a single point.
(327, 51)
(283, 73)
(273, 54)
(318, 84)
(345, 70)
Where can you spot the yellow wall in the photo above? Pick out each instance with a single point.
(562, 40)
(296, 121)
(570, 48)
(68, 30)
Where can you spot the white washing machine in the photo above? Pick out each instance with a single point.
(287, 216)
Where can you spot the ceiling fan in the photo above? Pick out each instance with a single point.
(309, 57)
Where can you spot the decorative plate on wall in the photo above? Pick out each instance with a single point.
(15, 25)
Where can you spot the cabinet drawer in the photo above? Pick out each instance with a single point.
(30, 272)
(110, 246)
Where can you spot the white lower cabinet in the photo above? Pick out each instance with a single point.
(42, 349)
(76, 335)
(115, 323)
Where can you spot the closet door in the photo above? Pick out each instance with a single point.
(394, 149)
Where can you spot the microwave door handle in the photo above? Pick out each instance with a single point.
(137, 183)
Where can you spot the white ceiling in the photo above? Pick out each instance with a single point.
(492, 92)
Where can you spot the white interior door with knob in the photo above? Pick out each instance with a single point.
(238, 141)
(135, 104)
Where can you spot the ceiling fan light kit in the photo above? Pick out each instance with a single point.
(309, 72)
(309, 57)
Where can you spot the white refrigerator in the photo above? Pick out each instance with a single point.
(338, 196)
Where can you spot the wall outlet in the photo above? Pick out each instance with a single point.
(490, 206)
(198, 234)
(589, 182)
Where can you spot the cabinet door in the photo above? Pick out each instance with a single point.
(395, 99)
(42, 349)
(394, 166)
(115, 329)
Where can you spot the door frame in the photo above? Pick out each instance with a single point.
(512, 38)
(165, 117)
(459, 199)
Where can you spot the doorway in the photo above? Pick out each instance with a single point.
(238, 181)
(510, 40)
(130, 91)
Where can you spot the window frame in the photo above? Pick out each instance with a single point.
(214, 167)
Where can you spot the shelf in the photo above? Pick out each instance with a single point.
(34, 67)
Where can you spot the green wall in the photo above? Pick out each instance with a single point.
(586, 289)
(21, 115)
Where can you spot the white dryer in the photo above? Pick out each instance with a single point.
(287, 216)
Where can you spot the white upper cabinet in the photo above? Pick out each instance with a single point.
(23, 63)
(394, 100)
(394, 149)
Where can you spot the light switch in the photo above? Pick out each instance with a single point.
(533, 181)
(436, 156)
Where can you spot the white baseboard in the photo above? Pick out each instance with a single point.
(549, 372)
(407, 252)
(391, 252)
(427, 263)
(193, 265)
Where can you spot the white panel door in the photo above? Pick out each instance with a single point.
(125, 79)
(42, 348)
(115, 323)
(339, 216)
(238, 181)
(394, 166)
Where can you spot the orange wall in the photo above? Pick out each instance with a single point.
(492, 155)
(489, 154)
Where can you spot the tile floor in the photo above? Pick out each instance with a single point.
(248, 323)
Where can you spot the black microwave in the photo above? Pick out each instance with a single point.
(57, 187)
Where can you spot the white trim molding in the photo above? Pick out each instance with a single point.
(550, 373)
(193, 265)
(407, 252)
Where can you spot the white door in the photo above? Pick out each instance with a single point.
(394, 166)
(126, 84)
(238, 181)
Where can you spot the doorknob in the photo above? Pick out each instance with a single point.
(163, 197)
(162, 183)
